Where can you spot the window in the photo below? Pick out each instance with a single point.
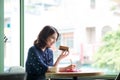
(79, 25)
(106, 29)
(92, 4)
(90, 34)
(67, 39)
(12, 33)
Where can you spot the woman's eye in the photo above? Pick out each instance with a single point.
(53, 37)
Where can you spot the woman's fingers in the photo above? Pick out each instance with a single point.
(70, 67)
(73, 66)
(65, 53)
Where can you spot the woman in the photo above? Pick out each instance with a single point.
(40, 56)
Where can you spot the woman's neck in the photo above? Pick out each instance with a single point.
(43, 49)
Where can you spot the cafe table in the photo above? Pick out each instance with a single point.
(73, 75)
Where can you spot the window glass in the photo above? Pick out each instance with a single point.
(80, 24)
(12, 33)
(67, 39)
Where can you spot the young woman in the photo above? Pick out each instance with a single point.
(40, 56)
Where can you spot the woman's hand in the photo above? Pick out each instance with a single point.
(70, 68)
(63, 55)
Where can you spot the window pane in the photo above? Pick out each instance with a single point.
(81, 25)
(12, 33)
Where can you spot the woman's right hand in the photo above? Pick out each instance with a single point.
(70, 68)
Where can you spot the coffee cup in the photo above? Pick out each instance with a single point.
(53, 69)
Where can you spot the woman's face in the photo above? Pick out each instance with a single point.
(51, 40)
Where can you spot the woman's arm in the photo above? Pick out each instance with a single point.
(62, 55)
(62, 69)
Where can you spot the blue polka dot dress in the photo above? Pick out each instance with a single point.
(37, 63)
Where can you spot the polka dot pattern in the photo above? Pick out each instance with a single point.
(38, 61)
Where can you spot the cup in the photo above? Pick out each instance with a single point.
(53, 69)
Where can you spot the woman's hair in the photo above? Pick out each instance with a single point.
(47, 31)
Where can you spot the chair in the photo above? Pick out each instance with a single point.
(16, 69)
(12, 76)
(13, 73)
(117, 77)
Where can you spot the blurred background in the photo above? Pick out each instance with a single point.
(90, 28)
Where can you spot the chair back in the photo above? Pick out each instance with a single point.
(12, 76)
(13, 73)
(117, 77)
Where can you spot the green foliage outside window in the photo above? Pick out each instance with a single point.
(108, 55)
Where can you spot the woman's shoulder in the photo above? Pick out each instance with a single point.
(32, 48)
(49, 50)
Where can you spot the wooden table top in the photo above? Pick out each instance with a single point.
(74, 74)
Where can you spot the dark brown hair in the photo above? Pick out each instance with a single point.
(47, 31)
